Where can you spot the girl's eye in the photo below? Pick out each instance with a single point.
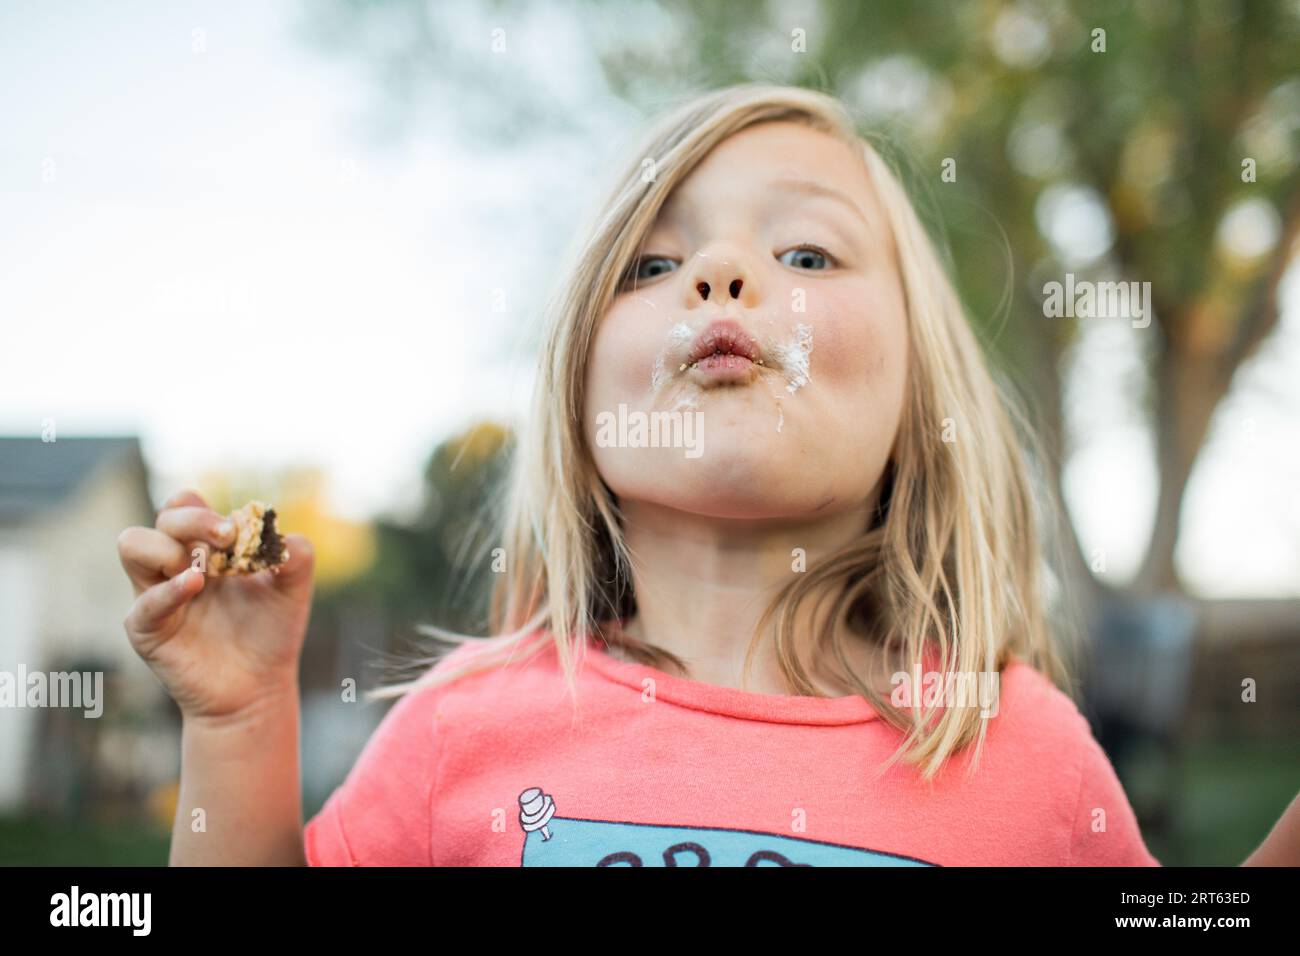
(807, 256)
(651, 267)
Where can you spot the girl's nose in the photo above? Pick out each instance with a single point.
(721, 275)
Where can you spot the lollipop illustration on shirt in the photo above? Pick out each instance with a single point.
(535, 811)
(580, 841)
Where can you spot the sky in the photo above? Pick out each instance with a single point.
(202, 243)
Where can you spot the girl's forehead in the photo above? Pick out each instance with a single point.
(779, 154)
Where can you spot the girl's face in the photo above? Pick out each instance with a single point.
(767, 312)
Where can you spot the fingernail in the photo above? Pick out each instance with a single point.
(226, 529)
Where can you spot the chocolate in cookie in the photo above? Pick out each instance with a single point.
(258, 543)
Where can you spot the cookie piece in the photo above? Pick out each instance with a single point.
(258, 543)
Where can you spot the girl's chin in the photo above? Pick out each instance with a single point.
(728, 479)
(749, 411)
(740, 502)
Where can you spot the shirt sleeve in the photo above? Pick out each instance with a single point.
(381, 814)
(1105, 829)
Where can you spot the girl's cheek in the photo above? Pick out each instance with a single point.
(854, 332)
(622, 355)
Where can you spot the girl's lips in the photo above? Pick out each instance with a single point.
(719, 368)
(723, 352)
(726, 337)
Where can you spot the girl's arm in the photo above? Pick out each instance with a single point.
(243, 775)
(227, 651)
(1282, 846)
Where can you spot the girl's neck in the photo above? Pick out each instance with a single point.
(702, 584)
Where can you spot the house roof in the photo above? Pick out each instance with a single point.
(36, 475)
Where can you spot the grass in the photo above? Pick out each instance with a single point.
(34, 841)
(1233, 795)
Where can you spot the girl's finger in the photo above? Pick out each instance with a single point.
(302, 559)
(187, 496)
(144, 622)
(149, 556)
(190, 523)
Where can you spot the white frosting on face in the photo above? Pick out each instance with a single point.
(794, 358)
(678, 334)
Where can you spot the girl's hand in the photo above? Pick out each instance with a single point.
(222, 646)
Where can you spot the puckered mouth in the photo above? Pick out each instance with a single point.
(725, 337)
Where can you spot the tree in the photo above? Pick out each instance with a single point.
(1175, 121)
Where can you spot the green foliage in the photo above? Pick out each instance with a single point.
(1140, 112)
(436, 569)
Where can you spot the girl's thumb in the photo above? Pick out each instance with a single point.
(296, 571)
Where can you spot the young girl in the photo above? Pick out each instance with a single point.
(771, 589)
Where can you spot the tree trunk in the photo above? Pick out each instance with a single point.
(1189, 385)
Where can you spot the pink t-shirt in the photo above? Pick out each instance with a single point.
(495, 770)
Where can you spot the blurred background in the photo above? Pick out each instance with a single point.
(298, 251)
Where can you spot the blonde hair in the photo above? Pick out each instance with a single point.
(951, 564)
